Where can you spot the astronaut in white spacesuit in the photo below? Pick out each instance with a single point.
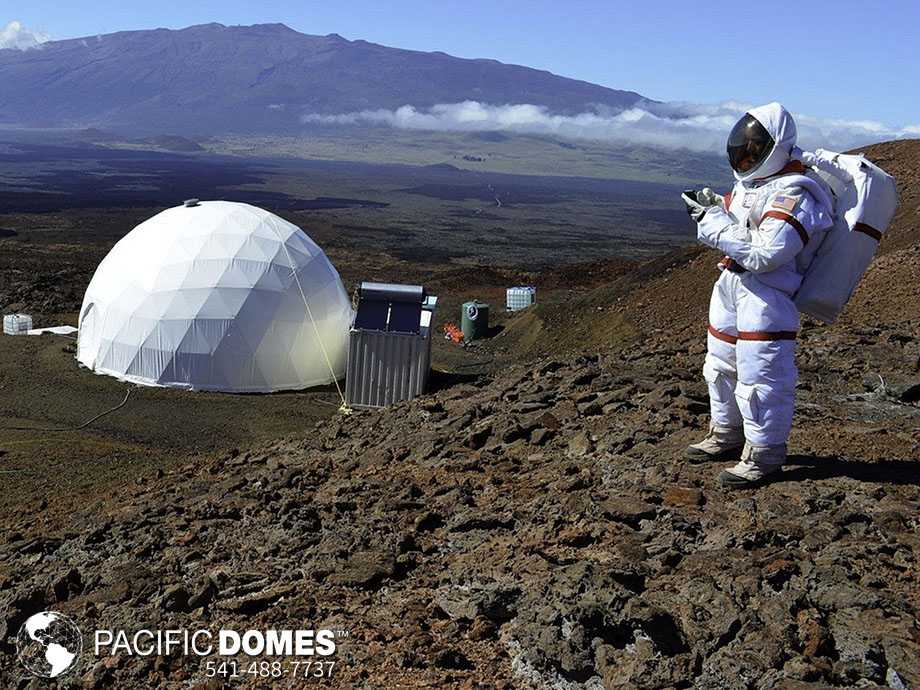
(769, 227)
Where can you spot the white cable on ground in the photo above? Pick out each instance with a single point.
(71, 428)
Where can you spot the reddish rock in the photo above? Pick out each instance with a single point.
(683, 496)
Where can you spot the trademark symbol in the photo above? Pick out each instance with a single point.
(341, 633)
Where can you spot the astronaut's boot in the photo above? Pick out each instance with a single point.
(757, 466)
(720, 443)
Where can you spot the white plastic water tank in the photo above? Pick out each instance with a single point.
(520, 297)
(16, 324)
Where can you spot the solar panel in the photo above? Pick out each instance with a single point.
(392, 308)
(405, 317)
(372, 315)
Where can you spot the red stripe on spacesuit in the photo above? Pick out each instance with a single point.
(724, 337)
(751, 335)
(868, 230)
(799, 228)
(728, 201)
(767, 335)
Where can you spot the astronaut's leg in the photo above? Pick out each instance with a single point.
(767, 326)
(725, 437)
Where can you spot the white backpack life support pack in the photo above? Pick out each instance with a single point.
(865, 201)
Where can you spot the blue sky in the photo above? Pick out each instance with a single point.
(846, 59)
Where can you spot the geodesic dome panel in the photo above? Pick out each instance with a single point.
(205, 297)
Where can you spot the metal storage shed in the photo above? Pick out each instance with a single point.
(389, 346)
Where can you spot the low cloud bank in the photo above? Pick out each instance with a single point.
(688, 126)
(14, 35)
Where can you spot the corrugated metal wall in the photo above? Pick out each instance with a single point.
(384, 368)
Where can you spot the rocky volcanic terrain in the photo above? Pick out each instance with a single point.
(537, 526)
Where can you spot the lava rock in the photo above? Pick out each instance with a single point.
(365, 569)
(580, 445)
(628, 510)
(175, 599)
(683, 496)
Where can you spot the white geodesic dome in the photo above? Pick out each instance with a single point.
(206, 297)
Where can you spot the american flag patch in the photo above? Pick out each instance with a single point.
(785, 203)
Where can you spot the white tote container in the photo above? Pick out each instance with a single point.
(520, 297)
(16, 324)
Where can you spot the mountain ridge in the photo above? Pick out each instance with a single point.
(259, 78)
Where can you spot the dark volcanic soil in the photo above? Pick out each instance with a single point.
(536, 526)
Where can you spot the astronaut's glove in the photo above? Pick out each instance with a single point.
(695, 209)
(707, 197)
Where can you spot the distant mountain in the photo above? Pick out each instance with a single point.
(213, 78)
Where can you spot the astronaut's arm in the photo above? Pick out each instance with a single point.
(778, 239)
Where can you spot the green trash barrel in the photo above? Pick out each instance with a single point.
(474, 320)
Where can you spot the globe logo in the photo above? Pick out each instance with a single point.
(49, 644)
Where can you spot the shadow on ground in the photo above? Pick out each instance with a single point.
(830, 466)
